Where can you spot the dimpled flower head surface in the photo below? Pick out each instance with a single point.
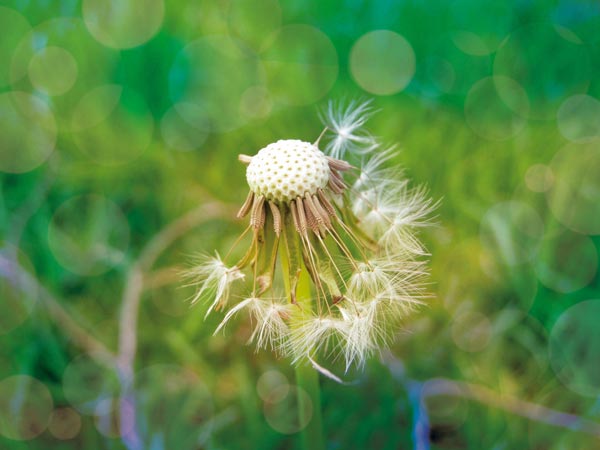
(337, 236)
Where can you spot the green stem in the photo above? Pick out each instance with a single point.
(307, 378)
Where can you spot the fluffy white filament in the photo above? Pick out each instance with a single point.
(215, 279)
(347, 124)
(270, 320)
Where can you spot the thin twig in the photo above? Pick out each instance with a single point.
(148, 256)
(421, 424)
(10, 269)
(132, 295)
(486, 396)
(523, 408)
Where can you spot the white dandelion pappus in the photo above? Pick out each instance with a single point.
(270, 320)
(392, 211)
(315, 334)
(392, 273)
(361, 334)
(215, 279)
(347, 122)
(374, 168)
(271, 325)
(413, 210)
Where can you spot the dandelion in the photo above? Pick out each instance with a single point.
(339, 234)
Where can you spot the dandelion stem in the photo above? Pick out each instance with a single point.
(307, 379)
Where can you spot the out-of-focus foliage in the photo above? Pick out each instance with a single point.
(117, 118)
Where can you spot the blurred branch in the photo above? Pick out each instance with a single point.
(486, 396)
(148, 256)
(10, 268)
(131, 299)
(514, 405)
(132, 295)
(414, 389)
(421, 426)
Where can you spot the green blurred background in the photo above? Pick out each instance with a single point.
(120, 123)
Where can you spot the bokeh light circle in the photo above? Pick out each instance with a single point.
(256, 103)
(511, 231)
(442, 70)
(574, 198)
(382, 62)
(123, 23)
(491, 105)
(272, 382)
(60, 58)
(65, 423)
(574, 350)
(282, 410)
(14, 27)
(470, 43)
(112, 125)
(481, 27)
(252, 21)
(208, 78)
(53, 70)
(579, 118)
(180, 132)
(440, 75)
(301, 64)
(27, 132)
(566, 262)
(18, 290)
(175, 402)
(88, 234)
(86, 382)
(503, 284)
(471, 331)
(535, 56)
(581, 18)
(25, 407)
(539, 178)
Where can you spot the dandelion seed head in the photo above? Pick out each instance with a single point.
(287, 169)
(341, 238)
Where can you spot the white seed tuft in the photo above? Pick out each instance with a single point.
(287, 169)
(215, 279)
(346, 121)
